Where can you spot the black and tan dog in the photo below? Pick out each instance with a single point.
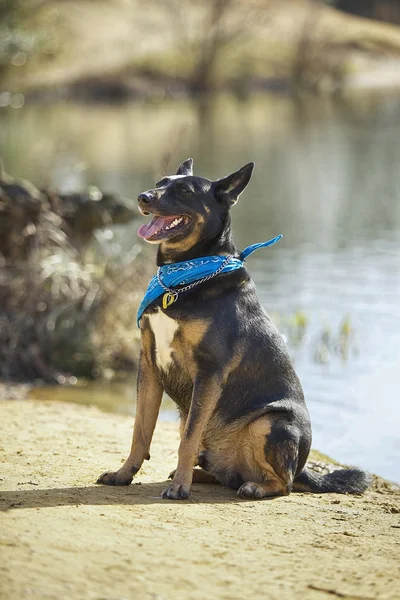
(215, 351)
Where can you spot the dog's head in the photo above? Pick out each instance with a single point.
(187, 209)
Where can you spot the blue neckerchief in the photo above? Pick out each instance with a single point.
(183, 273)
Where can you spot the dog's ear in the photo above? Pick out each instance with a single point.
(229, 188)
(186, 168)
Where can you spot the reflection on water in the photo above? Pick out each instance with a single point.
(327, 178)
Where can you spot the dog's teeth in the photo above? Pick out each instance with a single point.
(174, 223)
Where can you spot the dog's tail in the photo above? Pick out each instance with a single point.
(341, 481)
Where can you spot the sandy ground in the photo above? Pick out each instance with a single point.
(62, 536)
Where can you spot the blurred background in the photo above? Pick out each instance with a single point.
(99, 98)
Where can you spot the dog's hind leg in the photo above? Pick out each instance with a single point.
(271, 454)
(258, 460)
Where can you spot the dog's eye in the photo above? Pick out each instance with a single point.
(184, 190)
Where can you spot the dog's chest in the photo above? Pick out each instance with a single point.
(164, 329)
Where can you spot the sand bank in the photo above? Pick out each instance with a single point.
(63, 537)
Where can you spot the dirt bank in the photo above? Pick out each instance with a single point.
(62, 536)
(119, 49)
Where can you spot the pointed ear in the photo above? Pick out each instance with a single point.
(186, 168)
(229, 188)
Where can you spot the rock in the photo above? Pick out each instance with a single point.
(31, 218)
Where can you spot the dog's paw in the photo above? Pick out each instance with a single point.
(251, 490)
(176, 491)
(118, 478)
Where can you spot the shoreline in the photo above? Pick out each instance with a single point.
(64, 536)
(102, 394)
(372, 82)
(322, 50)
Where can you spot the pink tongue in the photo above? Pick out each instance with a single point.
(156, 224)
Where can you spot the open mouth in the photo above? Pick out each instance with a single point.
(162, 228)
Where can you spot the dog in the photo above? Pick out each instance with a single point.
(212, 347)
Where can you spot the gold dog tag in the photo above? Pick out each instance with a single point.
(168, 299)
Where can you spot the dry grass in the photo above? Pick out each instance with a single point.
(64, 310)
(61, 317)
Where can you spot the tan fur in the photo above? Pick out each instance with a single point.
(241, 449)
(200, 476)
(149, 398)
(188, 242)
(192, 332)
(233, 363)
(148, 403)
(189, 335)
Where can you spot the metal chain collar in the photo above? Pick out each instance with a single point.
(186, 288)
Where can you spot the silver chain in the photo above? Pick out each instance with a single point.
(186, 288)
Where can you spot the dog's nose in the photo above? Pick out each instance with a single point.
(144, 198)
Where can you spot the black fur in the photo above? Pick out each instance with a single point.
(341, 481)
(264, 381)
(228, 371)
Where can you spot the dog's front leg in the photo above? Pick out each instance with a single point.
(206, 391)
(149, 395)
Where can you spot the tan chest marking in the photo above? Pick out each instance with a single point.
(164, 329)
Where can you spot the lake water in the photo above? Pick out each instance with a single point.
(327, 177)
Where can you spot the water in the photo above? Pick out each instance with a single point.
(326, 176)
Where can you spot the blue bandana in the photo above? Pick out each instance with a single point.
(188, 271)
